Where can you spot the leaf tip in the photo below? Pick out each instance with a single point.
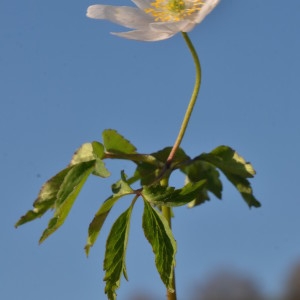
(87, 249)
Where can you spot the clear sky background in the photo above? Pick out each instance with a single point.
(64, 79)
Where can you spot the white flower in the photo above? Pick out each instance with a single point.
(154, 20)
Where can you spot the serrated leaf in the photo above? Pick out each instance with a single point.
(121, 189)
(98, 150)
(169, 196)
(83, 153)
(98, 221)
(67, 194)
(116, 143)
(244, 187)
(88, 152)
(180, 155)
(115, 253)
(91, 152)
(228, 160)
(100, 169)
(202, 170)
(235, 168)
(46, 198)
(149, 172)
(158, 233)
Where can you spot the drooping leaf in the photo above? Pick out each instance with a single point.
(244, 187)
(158, 233)
(91, 152)
(120, 189)
(169, 196)
(228, 160)
(67, 194)
(116, 143)
(149, 172)
(235, 168)
(98, 150)
(202, 170)
(100, 169)
(163, 155)
(83, 153)
(46, 198)
(48, 195)
(115, 253)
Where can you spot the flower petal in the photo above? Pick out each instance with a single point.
(184, 26)
(129, 17)
(145, 35)
(205, 10)
(142, 4)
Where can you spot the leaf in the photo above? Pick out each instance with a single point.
(116, 143)
(83, 153)
(180, 156)
(115, 253)
(100, 169)
(149, 172)
(121, 188)
(228, 160)
(235, 168)
(98, 150)
(244, 187)
(158, 233)
(169, 196)
(46, 198)
(67, 194)
(202, 170)
(91, 152)
(48, 195)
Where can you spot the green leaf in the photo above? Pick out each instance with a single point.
(100, 169)
(244, 187)
(67, 194)
(46, 198)
(116, 143)
(146, 172)
(121, 188)
(149, 172)
(87, 153)
(202, 170)
(235, 168)
(98, 150)
(169, 196)
(158, 233)
(115, 253)
(229, 161)
(83, 153)
(180, 156)
(91, 152)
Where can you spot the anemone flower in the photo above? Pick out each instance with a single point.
(154, 20)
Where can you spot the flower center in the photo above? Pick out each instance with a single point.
(173, 10)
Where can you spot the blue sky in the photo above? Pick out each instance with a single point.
(64, 79)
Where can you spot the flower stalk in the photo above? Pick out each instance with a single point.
(166, 211)
(193, 100)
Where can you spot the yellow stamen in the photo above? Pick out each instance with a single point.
(173, 10)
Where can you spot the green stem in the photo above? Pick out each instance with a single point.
(166, 211)
(191, 105)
